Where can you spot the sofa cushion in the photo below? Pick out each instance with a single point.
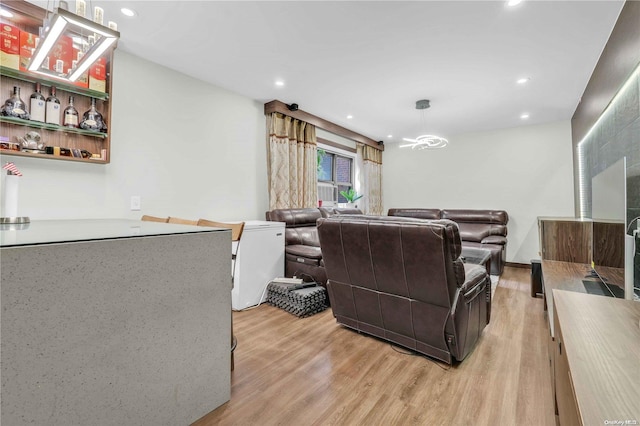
(304, 251)
(482, 216)
(419, 213)
(332, 211)
(295, 217)
(306, 235)
(494, 239)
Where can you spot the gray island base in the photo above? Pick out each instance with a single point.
(127, 323)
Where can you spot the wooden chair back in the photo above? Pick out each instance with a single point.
(154, 219)
(182, 221)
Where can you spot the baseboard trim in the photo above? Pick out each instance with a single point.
(518, 265)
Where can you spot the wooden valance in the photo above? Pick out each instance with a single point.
(281, 107)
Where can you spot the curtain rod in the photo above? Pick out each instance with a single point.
(282, 108)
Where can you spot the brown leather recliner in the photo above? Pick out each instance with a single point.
(402, 280)
(302, 247)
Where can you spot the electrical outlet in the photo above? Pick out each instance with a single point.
(135, 203)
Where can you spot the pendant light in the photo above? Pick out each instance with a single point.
(424, 141)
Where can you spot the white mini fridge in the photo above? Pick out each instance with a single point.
(260, 259)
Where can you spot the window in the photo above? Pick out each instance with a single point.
(335, 174)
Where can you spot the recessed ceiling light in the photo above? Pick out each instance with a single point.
(524, 116)
(349, 117)
(389, 136)
(6, 13)
(514, 2)
(128, 12)
(279, 83)
(523, 80)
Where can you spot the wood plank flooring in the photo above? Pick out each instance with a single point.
(311, 371)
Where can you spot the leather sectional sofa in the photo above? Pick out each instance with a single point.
(486, 229)
(403, 280)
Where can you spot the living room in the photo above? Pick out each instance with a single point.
(192, 148)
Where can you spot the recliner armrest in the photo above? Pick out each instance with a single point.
(475, 282)
(474, 290)
(494, 239)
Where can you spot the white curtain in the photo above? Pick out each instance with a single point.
(292, 163)
(370, 164)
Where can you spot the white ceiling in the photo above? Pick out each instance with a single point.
(374, 59)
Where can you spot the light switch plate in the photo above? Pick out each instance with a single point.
(135, 203)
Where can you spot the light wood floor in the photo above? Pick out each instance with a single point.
(292, 371)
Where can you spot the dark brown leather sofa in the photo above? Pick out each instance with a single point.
(486, 229)
(402, 280)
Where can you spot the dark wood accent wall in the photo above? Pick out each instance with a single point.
(281, 107)
(619, 58)
(617, 134)
(565, 240)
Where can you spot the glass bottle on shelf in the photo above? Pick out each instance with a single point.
(38, 105)
(92, 119)
(53, 110)
(70, 115)
(15, 106)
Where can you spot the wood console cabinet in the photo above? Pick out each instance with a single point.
(597, 359)
(28, 17)
(565, 239)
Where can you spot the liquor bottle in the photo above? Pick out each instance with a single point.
(38, 106)
(70, 115)
(53, 108)
(15, 106)
(92, 119)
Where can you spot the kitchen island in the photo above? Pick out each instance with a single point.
(113, 322)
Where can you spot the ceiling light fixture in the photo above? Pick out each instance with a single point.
(61, 21)
(349, 117)
(6, 13)
(425, 141)
(523, 80)
(279, 83)
(524, 116)
(513, 2)
(389, 136)
(128, 12)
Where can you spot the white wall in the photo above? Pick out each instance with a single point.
(526, 171)
(187, 148)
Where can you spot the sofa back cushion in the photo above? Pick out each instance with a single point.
(431, 214)
(300, 225)
(478, 225)
(413, 258)
(332, 211)
(304, 235)
(294, 218)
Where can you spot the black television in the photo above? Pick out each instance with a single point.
(613, 243)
